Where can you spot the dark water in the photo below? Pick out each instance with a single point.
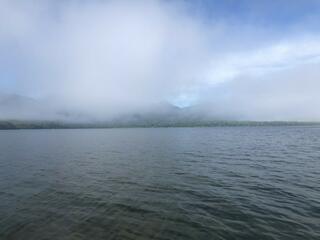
(184, 183)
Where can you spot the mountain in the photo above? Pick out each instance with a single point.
(13, 106)
(17, 107)
(22, 108)
(18, 112)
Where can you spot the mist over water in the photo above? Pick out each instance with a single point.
(102, 59)
(108, 90)
(163, 183)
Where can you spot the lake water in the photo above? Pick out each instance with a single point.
(162, 183)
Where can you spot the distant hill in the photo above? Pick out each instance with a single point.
(19, 112)
(13, 106)
(22, 108)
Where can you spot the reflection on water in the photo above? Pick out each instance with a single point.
(175, 183)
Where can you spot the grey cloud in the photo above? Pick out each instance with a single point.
(287, 95)
(107, 58)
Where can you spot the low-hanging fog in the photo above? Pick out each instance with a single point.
(107, 58)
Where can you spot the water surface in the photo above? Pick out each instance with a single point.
(163, 183)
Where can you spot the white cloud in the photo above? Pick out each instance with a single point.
(111, 57)
(279, 56)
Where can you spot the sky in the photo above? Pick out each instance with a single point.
(235, 59)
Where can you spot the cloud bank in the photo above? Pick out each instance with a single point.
(107, 58)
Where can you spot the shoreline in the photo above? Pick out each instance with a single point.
(19, 124)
